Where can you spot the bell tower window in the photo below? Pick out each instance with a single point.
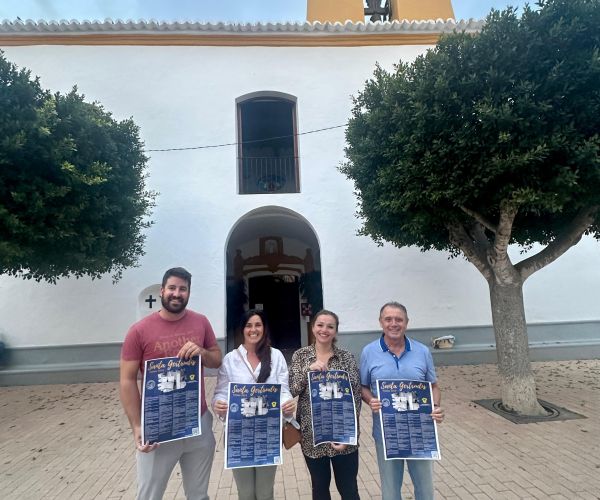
(267, 144)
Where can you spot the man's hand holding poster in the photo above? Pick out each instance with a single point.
(171, 399)
(408, 430)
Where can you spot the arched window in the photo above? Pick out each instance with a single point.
(268, 149)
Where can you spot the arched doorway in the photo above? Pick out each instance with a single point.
(273, 264)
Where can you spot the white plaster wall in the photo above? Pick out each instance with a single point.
(185, 96)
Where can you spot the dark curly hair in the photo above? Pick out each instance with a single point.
(178, 272)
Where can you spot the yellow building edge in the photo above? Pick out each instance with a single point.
(335, 11)
(419, 10)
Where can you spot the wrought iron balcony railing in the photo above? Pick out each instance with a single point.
(262, 175)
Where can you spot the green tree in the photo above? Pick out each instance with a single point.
(73, 199)
(488, 140)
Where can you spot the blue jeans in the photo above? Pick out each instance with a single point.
(391, 473)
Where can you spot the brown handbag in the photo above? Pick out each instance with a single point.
(290, 433)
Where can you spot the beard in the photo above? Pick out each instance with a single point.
(173, 307)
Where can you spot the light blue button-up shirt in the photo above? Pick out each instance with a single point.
(377, 362)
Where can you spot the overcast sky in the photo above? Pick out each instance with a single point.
(197, 10)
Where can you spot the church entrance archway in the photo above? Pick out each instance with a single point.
(273, 264)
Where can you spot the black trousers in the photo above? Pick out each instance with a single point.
(345, 470)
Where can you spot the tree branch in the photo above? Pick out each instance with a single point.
(568, 238)
(479, 218)
(461, 239)
(481, 241)
(508, 212)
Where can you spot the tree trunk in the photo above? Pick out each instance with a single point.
(510, 329)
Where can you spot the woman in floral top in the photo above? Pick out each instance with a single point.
(324, 355)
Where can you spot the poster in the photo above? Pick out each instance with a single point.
(171, 399)
(332, 407)
(407, 428)
(253, 426)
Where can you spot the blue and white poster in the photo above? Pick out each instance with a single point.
(253, 426)
(407, 428)
(332, 407)
(171, 399)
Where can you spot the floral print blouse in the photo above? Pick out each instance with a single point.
(302, 359)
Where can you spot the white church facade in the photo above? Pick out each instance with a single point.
(265, 219)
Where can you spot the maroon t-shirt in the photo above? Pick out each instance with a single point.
(154, 337)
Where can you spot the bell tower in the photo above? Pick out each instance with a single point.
(394, 10)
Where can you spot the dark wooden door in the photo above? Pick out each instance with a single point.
(280, 301)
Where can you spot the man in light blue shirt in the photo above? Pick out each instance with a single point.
(395, 356)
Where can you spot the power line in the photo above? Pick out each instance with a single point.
(245, 142)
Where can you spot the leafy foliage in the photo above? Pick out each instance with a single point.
(509, 116)
(73, 199)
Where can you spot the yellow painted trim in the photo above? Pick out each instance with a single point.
(419, 10)
(358, 40)
(335, 11)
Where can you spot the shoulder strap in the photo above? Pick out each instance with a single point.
(245, 364)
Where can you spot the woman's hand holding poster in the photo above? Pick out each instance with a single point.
(332, 406)
(253, 427)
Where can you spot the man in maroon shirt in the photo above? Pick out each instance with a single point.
(172, 331)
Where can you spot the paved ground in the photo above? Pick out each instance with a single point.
(72, 441)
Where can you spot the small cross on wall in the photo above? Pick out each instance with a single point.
(150, 300)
